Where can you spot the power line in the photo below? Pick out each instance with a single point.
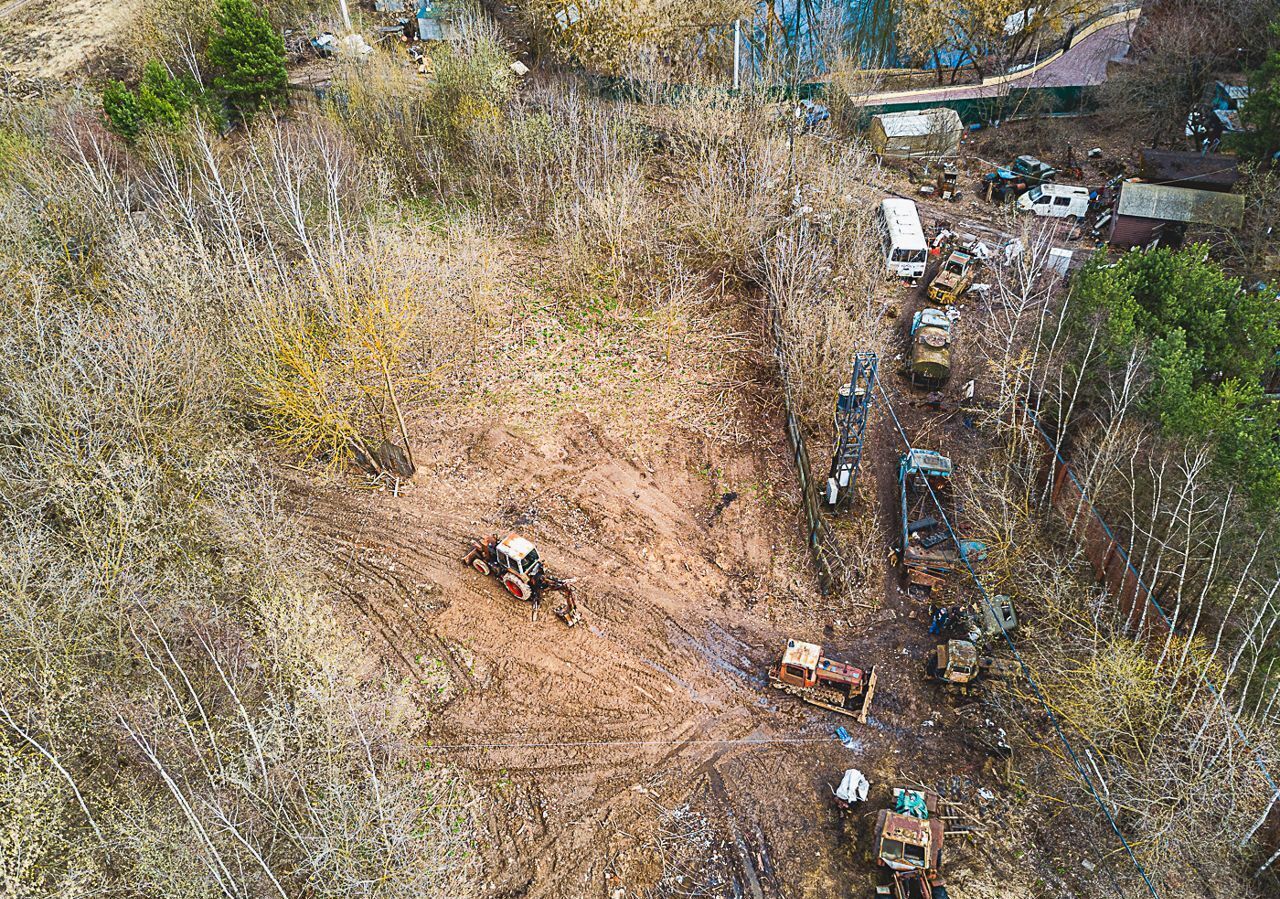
(1026, 671)
(569, 744)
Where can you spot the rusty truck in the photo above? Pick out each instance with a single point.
(928, 550)
(908, 846)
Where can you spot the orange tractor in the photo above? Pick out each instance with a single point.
(908, 847)
(515, 561)
(805, 672)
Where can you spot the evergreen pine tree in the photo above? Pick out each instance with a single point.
(249, 57)
(123, 111)
(1261, 112)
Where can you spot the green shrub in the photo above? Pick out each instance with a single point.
(161, 101)
(249, 57)
(123, 111)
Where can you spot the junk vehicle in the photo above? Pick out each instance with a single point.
(902, 239)
(1035, 171)
(515, 561)
(908, 846)
(930, 347)
(805, 672)
(1057, 201)
(989, 620)
(1003, 186)
(926, 550)
(948, 182)
(958, 664)
(954, 278)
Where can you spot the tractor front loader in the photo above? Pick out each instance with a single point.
(515, 562)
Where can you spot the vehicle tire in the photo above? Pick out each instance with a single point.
(481, 566)
(517, 588)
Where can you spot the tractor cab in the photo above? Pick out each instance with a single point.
(519, 556)
(799, 665)
(957, 661)
(954, 278)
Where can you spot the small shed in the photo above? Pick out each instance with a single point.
(1157, 213)
(916, 134)
(1198, 171)
(436, 21)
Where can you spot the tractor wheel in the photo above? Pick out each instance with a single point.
(517, 588)
(480, 565)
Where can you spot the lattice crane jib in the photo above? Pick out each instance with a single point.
(849, 424)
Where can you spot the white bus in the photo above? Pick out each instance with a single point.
(902, 237)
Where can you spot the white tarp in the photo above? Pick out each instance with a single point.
(853, 787)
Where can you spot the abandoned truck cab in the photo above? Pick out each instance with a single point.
(955, 662)
(908, 846)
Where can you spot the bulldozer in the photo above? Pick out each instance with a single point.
(908, 846)
(958, 664)
(515, 562)
(954, 278)
(831, 684)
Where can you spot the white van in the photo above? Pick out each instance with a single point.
(902, 237)
(1057, 201)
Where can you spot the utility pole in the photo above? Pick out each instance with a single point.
(737, 50)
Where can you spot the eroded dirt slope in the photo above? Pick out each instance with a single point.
(642, 751)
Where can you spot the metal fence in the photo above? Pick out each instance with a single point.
(1108, 557)
(818, 533)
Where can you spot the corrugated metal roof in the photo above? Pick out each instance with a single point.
(1236, 92)
(1198, 171)
(1180, 204)
(920, 123)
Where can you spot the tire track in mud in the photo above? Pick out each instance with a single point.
(647, 666)
(434, 549)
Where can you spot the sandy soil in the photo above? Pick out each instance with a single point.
(57, 38)
(643, 750)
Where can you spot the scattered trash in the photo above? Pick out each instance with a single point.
(1013, 251)
(520, 68)
(853, 788)
(813, 114)
(1095, 153)
(1059, 261)
(324, 44)
(354, 45)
